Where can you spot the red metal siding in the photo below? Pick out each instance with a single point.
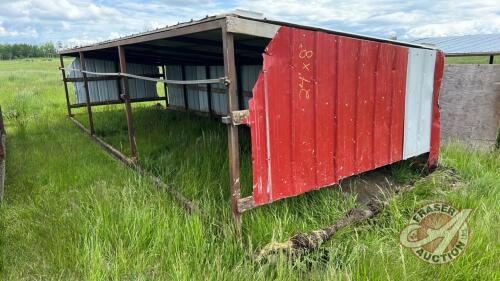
(436, 125)
(324, 107)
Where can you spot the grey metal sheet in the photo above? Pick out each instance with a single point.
(418, 101)
(197, 94)
(93, 89)
(249, 74)
(79, 93)
(101, 91)
(175, 93)
(219, 100)
(108, 90)
(480, 43)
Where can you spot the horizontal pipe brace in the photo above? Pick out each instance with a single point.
(81, 79)
(76, 105)
(220, 80)
(240, 117)
(245, 204)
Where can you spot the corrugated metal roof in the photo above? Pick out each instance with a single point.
(483, 44)
(243, 14)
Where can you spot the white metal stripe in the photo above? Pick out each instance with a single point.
(418, 102)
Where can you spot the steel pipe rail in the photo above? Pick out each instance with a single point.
(219, 80)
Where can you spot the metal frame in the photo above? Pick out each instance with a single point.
(87, 95)
(128, 108)
(230, 70)
(232, 129)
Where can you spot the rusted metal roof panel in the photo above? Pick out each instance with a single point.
(325, 107)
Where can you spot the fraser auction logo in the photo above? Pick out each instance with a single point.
(437, 233)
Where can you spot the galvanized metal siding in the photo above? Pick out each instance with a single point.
(325, 107)
(249, 75)
(197, 94)
(141, 88)
(101, 91)
(219, 97)
(175, 92)
(418, 107)
(478, 43)
(79, 91)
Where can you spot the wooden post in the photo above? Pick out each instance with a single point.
(232, 130)
(87, 95)
(209, 91)
(492, 57)
(65, 85)
(163, 69)
(128, 108)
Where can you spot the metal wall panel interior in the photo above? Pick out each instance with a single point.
(197, 94)
(107, 90)
(79, 92)
(249, 75)
(219, 99)
(324, 107)
(175, 92)
(141, 88)
(418, 107)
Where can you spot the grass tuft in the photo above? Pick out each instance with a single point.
(73, 213)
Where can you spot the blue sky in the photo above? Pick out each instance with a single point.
(77, 22)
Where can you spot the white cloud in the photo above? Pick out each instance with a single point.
(80, 21)
(407, 19)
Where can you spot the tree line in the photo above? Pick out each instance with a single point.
(20, 51)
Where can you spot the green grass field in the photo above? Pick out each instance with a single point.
(73, 213)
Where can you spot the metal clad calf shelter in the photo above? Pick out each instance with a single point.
(326, 107)
(321, 105)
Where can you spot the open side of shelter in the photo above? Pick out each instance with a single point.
(321, 105)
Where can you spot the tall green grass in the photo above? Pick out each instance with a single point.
(472, 60)
(73, 213)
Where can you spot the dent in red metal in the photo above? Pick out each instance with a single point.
(324, 107)
(436, 123)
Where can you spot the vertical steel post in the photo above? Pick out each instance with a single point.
(492, 57)
(2, 126)
(128, 107)
(241, 99)
(184, 87)
(163, 69)
(209, 90)
(118, 81)
(63, 71)
(87, 95)
(233, 144)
